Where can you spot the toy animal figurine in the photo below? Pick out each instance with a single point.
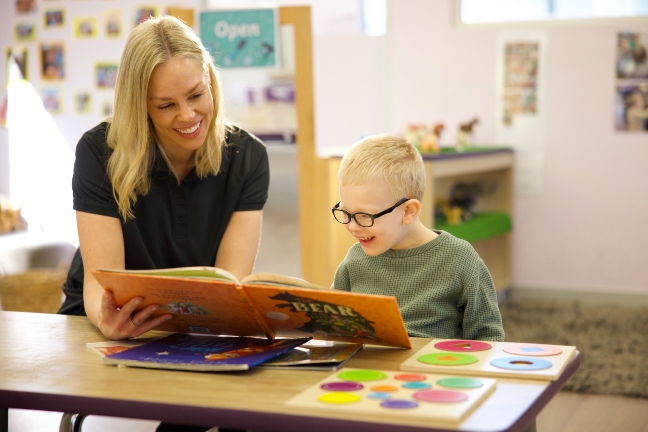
(464, 196)
(414, 134)
(430, 142)
(465, 132)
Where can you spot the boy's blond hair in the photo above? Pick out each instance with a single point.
(386, 157)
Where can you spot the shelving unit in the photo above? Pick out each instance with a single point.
(492, 166)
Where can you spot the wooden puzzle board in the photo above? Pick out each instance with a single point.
(361, 391)
(523, 360)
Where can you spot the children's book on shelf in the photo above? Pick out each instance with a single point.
(210, 301)
(193, 352)
(315, 355)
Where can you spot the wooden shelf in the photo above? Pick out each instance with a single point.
(494, 167)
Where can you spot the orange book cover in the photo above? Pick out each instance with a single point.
(328, 314)
(211, 306)
(267, 307)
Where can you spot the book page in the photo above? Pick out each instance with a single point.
(198, 271)
(278, 280)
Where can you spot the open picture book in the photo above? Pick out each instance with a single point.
(211, 301)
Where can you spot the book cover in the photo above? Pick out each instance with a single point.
(216, 306)
(194, 352)
(330, 315)
(198, 305)
(315, 355)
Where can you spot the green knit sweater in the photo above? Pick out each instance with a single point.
(443, 287)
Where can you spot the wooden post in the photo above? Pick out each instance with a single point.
(311, 170)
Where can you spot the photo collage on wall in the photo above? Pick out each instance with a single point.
(520, 79)
(631, 93)
(44, 29)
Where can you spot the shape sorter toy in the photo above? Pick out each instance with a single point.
(396, 394)
(494, 359)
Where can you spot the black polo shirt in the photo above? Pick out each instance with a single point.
(175, 225)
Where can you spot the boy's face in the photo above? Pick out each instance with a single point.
(388, 231)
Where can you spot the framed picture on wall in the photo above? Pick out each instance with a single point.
(54, 18)
(106, 74)
(25, 6)
(82, 102)
(24, 32)
(631, 110)
(632, 55)
(52, 99)
(107, 108)
(52, 60)
(112, 23)
(85, 27)
(144, 13)
(20, 57)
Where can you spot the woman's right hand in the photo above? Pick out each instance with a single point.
(125, 322)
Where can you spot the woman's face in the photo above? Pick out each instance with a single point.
(180, 105)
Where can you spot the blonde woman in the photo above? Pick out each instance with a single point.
(165, 182)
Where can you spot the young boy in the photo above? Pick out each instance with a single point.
(443, 288)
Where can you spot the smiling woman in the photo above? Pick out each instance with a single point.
(165, 182)
(181, 107)
(184, 187)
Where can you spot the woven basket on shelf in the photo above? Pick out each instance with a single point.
(36, 290)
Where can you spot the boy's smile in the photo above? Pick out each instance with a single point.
(388, 231)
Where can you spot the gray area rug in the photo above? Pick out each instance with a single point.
(612, 340)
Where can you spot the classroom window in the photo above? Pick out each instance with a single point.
(490, 11)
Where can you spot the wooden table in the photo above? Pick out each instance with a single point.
(45, 365)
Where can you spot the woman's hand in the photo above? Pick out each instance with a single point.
(123, 323)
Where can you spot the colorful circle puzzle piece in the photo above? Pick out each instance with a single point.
(521, 363)
(446, 359)
(399, 404)
(384, 388)
(410, 377)
(441, 396)
(339, 398)
(416, 385)
(362, 375)
(379, 395)
(342, 386)
(534, 350)
(460, 382)
(462, 346)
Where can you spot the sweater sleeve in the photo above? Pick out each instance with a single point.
(482, 319)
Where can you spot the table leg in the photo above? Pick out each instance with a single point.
(4, 419)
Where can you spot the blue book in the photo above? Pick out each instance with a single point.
(183, 351)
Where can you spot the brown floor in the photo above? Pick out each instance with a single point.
(279, 253)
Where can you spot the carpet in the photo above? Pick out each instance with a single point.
(612, 340)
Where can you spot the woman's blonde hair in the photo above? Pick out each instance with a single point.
(131, 135)
(385, 157)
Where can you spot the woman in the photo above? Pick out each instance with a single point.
(165, 182)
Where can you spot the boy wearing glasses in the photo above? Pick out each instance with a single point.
(443, 288)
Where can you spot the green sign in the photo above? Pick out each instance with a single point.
(240, 38)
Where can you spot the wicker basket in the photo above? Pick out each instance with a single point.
(36, 290)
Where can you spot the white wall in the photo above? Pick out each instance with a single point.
(587, 230)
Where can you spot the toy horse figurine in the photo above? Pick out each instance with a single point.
(464, 133)
(430, 142)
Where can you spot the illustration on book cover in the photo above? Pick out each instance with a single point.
(325, 318)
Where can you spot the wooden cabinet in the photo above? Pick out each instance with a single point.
(493, 167)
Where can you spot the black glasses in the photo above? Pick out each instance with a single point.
(363, 219)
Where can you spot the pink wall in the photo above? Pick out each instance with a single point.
(588, 229)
